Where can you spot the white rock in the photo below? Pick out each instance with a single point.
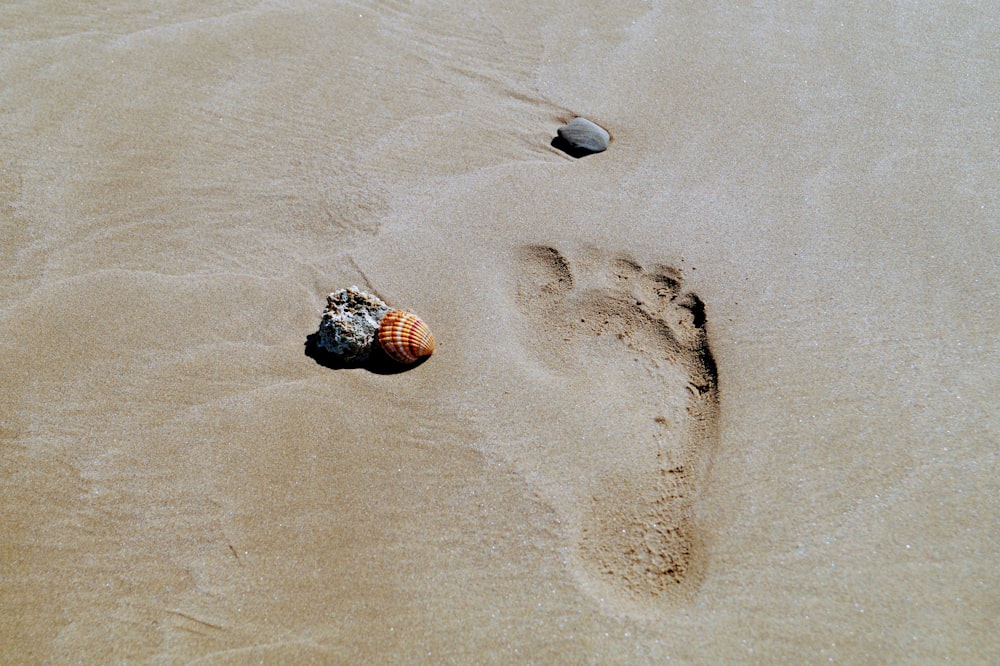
(350, 323)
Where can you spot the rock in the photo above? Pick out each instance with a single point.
(350, 323)
(583, 137)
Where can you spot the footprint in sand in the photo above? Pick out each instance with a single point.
(628, 348)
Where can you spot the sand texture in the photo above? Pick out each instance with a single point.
(725, 392)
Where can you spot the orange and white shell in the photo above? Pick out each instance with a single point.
(405, 337)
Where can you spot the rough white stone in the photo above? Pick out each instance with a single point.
(350, 323)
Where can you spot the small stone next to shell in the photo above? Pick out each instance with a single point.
(350, 323)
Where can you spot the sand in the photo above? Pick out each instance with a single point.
(725, 392)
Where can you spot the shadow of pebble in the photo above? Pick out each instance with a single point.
(565, 146)
(377, 362)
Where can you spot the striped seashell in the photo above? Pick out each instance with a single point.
(405, 337)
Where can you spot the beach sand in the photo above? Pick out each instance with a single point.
(725, 392)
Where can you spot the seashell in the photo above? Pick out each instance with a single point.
(405, 337)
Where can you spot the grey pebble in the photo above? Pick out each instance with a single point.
(583, 135)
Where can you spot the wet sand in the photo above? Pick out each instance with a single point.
(725, 392)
